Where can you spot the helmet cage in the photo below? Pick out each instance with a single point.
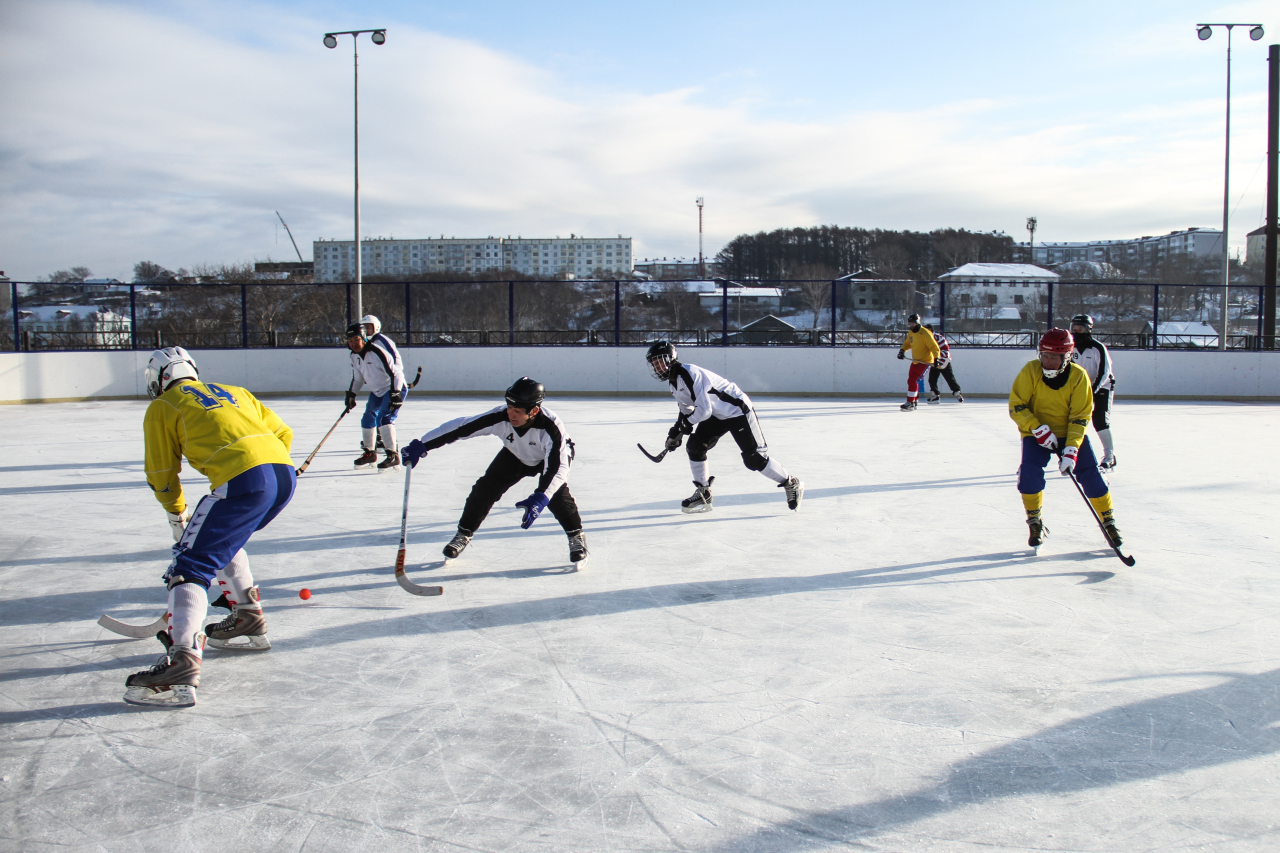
(661, 355)
(1057, 342)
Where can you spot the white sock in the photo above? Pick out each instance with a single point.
(1104, 435)
(188, 604)
(368, 442)
(388, 433)
(775, 472)
(235, 581)
(701, 471)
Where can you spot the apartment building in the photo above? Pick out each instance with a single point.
(576, 257)
(1141, 252)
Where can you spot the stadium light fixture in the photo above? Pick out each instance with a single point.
(331, 41)
(1203, 31)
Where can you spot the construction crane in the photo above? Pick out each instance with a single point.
(291, 240)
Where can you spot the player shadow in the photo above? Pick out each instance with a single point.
(161, 556)
(662, 596)
(68, 712)
(135, 465)
(1177, 733)
(555, 569)
(88, 604)
(71, 487)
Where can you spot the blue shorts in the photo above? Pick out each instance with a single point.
(225, 518)
(1035, 457)
(377, 411)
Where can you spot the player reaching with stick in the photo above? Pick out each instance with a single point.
(710, 406)
(924, 353)
(243, 448)
(534, 443)
(1051, 402)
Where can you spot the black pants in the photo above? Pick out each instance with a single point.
(504, 472)
(1102, 409)
(946, 373)
(745, 430)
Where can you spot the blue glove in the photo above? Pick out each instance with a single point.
(533, 507)
(412, 452)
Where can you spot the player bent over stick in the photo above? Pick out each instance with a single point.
(535, 442)
(1051, 402)
(243, 448)
(710, 406)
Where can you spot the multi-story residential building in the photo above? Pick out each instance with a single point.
(83, 325)
(576, 257)
(1141, 252)
(676, 268)
(1016, 286)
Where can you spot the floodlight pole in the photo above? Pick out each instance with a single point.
(379, 37)
(702, 270)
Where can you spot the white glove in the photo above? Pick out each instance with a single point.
(1068, 463)
(178, 522)
(1045, 436)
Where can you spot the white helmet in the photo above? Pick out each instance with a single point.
(372, 322)
(167, 366)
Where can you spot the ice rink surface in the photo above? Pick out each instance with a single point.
(888, 669)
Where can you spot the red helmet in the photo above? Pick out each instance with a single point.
(1057, 340)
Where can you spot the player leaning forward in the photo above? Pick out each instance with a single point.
(534, 443)
(375, 362)
(924, 354)
(1051, 402)
(710, 406)
(243, 448)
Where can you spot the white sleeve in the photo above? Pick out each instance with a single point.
(490, 423)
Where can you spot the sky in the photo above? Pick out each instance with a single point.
(174, 131)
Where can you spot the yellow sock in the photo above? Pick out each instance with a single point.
(1033, 504)
(1103, 506)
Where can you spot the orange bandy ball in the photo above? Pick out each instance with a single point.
(305, 594)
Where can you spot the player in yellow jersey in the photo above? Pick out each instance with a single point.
(1051, 402)
(243, 448)
(924, 352)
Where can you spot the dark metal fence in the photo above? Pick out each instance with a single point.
(862, 313)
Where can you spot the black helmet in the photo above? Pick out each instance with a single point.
(355, 330)
(525, 393)
(913, 319)
(660, 356)
(1083, 320)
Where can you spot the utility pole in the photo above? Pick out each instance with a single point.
(702, 268)
(1031, 226)
(1273, 166)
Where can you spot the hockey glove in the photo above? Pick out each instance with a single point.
(902, 354)
(351, 400)
(178, 523)
(412, 452)
(674, 437)
(397, 400)
(1068, 463)
(533, 507)
(1045, 436)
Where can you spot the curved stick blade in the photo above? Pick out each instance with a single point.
(137, 632)
(411, 587)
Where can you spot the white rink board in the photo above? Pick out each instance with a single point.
(1167, 374)
(887, 670)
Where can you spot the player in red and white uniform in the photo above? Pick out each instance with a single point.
(942, 367)
(924, 352)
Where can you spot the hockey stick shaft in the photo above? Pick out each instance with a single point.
(651, 457)
(304, 465)
(401, 578)
(1128, 561)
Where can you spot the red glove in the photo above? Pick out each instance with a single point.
(1045, 436)
(1068, 463)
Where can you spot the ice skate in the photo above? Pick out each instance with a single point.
(909, 406)
(1108, 462)
(391, 463)
(959, 397)
(700, 500)
(935, 397)
(243, 630)
(1113, 533)
(1039, 532)
(578, 547)
(171, 683)
(795, 492)
(367, 458)
(457, 544)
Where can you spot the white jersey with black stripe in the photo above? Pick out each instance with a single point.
(541, 441)
(377, 366)
(1096, 361)
(701, 394)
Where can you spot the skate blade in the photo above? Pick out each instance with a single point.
(694, 510)
(393, 468)
(243, 643)
(176, 696)
(933, 402)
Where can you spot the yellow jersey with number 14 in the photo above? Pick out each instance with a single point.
(221, 429)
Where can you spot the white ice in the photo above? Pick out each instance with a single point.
(887, 670)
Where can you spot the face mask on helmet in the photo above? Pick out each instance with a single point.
(1056, 342)
(660, 357)
(166, 367)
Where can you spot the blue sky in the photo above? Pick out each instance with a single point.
(173, 131)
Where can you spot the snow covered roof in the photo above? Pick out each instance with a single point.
(1179, 327)
(58, 313)
(1018, 271)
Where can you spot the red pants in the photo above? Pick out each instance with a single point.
(913, 378)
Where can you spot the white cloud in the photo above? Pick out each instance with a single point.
(137, 136)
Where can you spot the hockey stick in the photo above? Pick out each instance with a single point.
(1128, 561)
(653, 458)
(401, 578)
(303, 466)
(137, 632)
(414, 383)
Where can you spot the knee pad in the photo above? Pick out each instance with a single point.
(697, 450)
(755, 460)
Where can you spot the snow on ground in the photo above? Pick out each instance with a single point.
(887, 669)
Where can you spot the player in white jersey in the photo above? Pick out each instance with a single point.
(534, 443)
(942, 367)
(1092, 355)
(711, 406)
(375, 363)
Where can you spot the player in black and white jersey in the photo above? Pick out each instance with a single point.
(1092, 355)
(942, 367)
(375, 363)
(711, 406)
(534, 443)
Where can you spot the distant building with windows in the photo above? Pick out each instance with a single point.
(576, 257)
(990, 286)
(1142, 252)
(86, 325)
(676, 268)
(1255, 249)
